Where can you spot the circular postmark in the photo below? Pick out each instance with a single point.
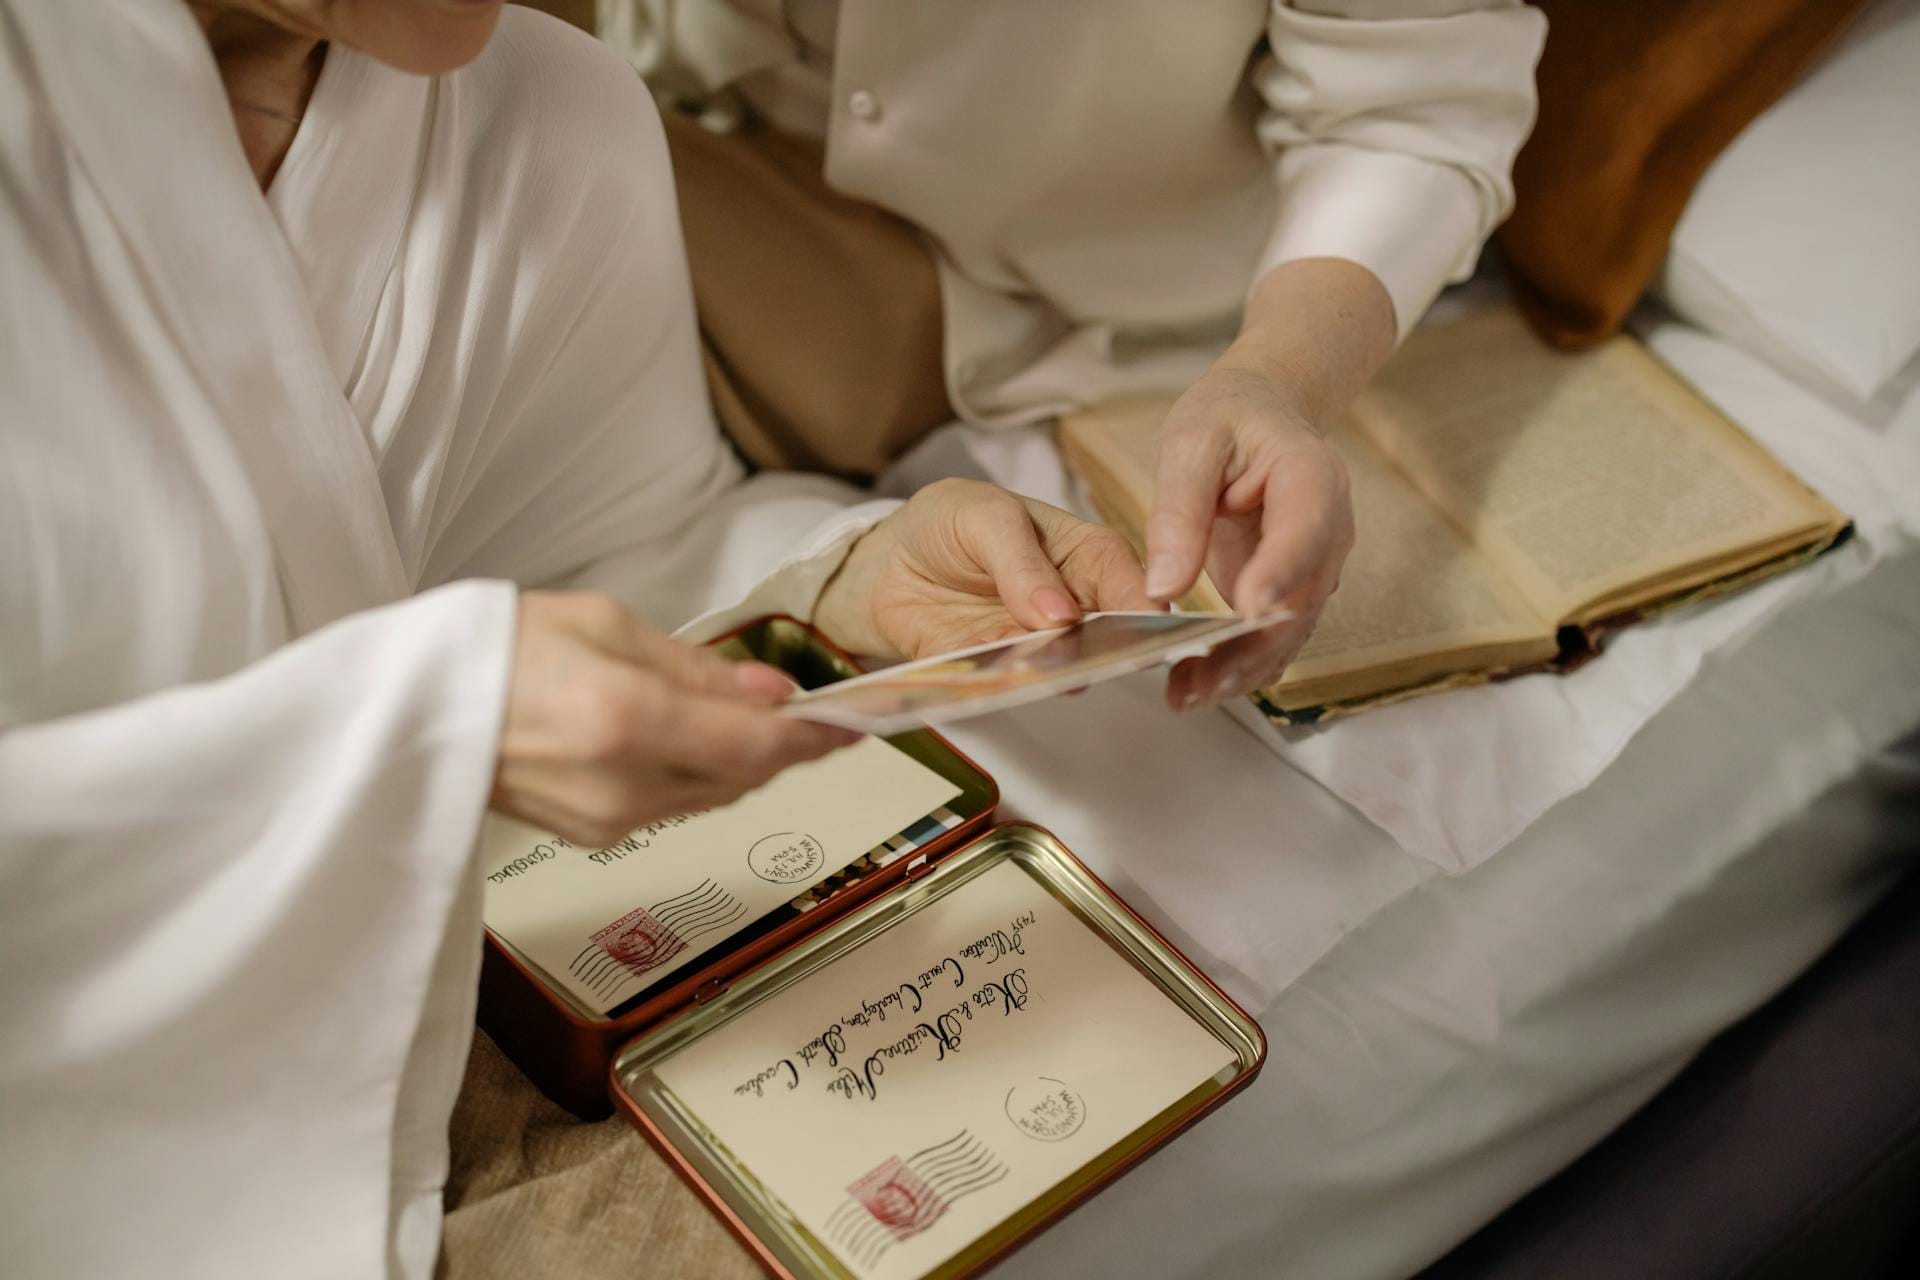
(787, 857)
(1046, 1109)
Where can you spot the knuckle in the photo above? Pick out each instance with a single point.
(1195, 428)
(1186, 433)
(613, 711)
(952, 489)
(660, 712)
(600, 733)
(705, 669)
(1188, 473)
(597, 612)
(992, 512)
(949, 502)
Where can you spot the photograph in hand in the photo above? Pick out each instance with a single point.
(1013, 672)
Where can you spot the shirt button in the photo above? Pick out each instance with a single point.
(864, 106)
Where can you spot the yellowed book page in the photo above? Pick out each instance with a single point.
(1593, 480)
(914, 1094)
(1412, 587)
(603, 924)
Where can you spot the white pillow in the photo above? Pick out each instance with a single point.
(1802, 242)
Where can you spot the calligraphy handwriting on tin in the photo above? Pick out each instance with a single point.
(1009, 993)
(637, 840)
(852, 1069)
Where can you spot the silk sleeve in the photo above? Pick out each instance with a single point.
(601, 465)
(1393, 125)
(181, 875)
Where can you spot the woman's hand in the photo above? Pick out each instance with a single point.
(964, 563)
(612, 724)
(1247, 485)
(1251, 492)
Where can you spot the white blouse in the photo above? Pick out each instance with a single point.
(1106, 179)
(271, 470)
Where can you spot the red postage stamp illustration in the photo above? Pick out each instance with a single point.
(898, 1198)
(639, 941)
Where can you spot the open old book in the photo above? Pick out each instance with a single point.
(1514, 505)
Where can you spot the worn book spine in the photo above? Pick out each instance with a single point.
(1578, 645)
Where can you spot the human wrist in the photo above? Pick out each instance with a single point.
(1266, 356)
(844, 610)
(1314, 330)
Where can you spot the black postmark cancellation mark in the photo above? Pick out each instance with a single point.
(901, 1197)
(787, 857)
(647, 937)
(1046, 1109)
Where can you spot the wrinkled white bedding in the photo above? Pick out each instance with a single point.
(1604, 871)
(1536, 742)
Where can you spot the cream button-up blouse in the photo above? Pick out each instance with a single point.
(1106, 179)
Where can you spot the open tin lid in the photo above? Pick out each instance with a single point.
(724, 947)
(928, 1082)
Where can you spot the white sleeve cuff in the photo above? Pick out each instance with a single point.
(794, 586)
(1413, 223)
(1393, 125)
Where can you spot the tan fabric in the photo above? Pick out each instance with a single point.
(578, 12)
(534, 1192)
(1636, 100)
(819, 314)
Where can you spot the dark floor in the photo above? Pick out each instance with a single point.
(1789, 1148)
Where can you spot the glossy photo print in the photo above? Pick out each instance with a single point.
(1013, 672)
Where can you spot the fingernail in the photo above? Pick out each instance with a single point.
(1055, 606)
(1163, 577)
(755, 677)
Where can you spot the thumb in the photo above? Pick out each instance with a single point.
(1006, 544)
(1186, 494)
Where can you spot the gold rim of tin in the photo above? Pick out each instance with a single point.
(794, 648)
(761, 1214)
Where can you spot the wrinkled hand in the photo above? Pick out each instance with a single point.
(965, 563)
(612, 723)
(1247, 489)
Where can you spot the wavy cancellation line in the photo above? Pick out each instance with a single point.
(663, 931)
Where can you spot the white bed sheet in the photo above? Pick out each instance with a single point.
(1537, 741)
(1448, 1032)
(1458, 1040)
